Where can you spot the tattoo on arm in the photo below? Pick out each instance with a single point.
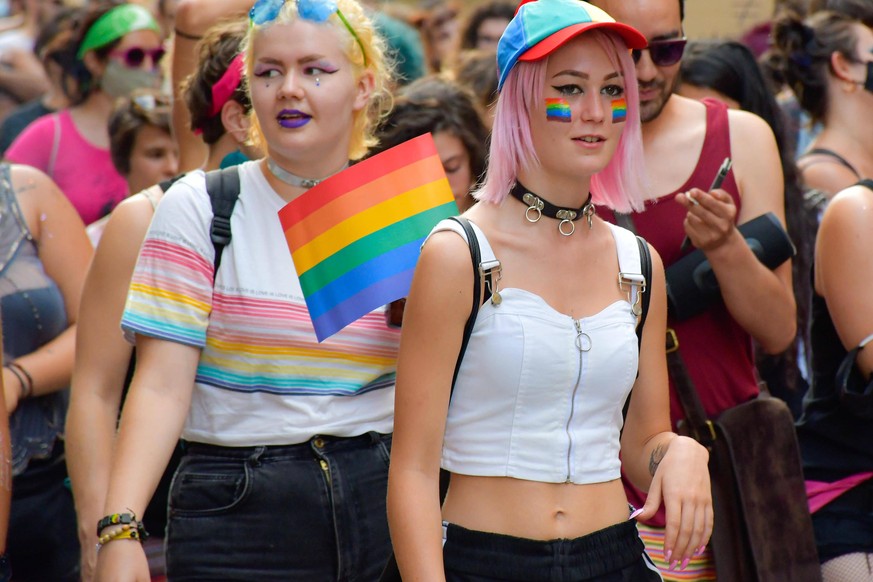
(656, 458)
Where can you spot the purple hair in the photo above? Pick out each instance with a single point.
(621, 185)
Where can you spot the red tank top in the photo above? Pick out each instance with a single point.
(715, 349)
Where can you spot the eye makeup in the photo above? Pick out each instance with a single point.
(558, 109)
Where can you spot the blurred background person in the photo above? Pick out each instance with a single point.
(728, 71)
(825, 59)
(22, 77)
(118, 50)
(438, 106)
(439, 27)
(836, 434)
(44, 253)
(141, 145)
(49, 47)
(193, 18)
(140, 140)
(484, 25)
(475, 71)
(104, 360)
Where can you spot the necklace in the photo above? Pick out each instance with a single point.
(295, 180)
(537, 207)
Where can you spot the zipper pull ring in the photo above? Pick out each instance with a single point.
(583, 345)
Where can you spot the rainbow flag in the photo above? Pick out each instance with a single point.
(355, 238)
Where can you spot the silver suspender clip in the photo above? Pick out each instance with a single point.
(633, 281)
(495, 271)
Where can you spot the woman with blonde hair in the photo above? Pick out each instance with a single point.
(286, 440)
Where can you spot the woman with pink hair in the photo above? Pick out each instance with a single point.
(536, 417)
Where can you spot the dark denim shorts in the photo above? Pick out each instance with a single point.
(845, 525)
(613, 554)
(313, 511)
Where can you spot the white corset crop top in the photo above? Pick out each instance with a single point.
(539, 395)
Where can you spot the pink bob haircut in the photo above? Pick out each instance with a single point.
(621, 185)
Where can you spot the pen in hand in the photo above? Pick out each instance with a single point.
(716, 183)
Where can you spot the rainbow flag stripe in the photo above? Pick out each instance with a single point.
(619, 110)
(355, 238)
(557, 109)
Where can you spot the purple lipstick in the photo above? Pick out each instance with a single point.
(292, 119)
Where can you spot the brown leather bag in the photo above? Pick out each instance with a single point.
(763, 529)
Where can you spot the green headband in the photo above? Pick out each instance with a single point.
(116, 23)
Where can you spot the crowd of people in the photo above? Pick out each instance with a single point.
(170, 413)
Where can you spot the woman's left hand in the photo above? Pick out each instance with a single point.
(681, 481)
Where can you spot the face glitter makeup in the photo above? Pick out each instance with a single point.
(558, 109)
(619, 110)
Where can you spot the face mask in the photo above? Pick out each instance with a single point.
(120, 81)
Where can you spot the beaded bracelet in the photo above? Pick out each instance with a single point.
(128, 521)
(125, 532)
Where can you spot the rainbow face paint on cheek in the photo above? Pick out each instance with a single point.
(558, 109)
(619, 110)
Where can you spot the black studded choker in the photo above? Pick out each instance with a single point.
(537, 207)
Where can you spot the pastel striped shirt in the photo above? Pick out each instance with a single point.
(262, 377)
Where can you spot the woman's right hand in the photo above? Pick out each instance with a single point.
(122, 561)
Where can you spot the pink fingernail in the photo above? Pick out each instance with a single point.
(684, 563)
(700, 551)
(668, 555)
(635, 513)
(673, 565)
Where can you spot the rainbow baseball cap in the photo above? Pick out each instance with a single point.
(542, 26)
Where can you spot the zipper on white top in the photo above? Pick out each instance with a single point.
(582, 348)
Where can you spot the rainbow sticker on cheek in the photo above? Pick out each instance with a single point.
(558, 109)
(619, 110)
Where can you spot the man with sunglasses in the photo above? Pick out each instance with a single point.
(685, 142)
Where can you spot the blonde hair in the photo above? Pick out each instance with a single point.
(366, 52)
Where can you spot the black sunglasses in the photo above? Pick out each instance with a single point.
(134, 57)
(663, 52)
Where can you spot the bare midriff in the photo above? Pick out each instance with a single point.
(532, 509)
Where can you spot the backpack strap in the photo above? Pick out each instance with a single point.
(646, 268)
(476, 258)
(223, 189)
